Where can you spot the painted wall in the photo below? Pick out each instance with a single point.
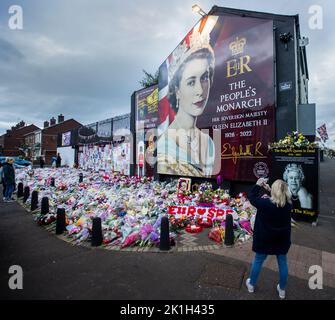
(68, 155)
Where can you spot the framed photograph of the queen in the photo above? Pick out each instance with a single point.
(184, 184)
(299, 168)
(216, 100)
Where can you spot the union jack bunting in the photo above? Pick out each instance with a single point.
(322, 131)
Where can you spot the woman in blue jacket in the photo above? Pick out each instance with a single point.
(272, 230)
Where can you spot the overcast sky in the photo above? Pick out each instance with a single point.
(84, 58)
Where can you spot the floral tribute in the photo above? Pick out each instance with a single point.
(293, 140)
(242, 211)
(131, 208)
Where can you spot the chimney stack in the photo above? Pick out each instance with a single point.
(52, 121)
(46, 124)
(60, 118)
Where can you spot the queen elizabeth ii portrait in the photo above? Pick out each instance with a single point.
(184, 149)
(294, 176)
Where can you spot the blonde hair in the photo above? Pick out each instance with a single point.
(280, 193)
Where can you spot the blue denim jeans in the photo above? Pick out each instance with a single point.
(9, 190)
(257, 266)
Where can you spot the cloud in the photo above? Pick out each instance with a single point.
(8, 52)
(84, 58)
(47, 48)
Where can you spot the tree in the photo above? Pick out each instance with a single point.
(149, 79)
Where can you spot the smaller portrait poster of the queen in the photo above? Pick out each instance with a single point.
(299, 168)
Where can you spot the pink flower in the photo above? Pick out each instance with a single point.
(131, 239)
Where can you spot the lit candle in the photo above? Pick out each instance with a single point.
(219, 180)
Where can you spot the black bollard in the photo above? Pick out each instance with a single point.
(45, 205)
(52, 183)
(26, 194)
(229, 231)
(96, 232)
(164, 243)
(81, 177)
(34, 200)
(60, 222)
(20, 190)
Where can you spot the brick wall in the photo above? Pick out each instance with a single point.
(15, 140)
(49, 137)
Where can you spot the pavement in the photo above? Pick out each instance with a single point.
(55, 269)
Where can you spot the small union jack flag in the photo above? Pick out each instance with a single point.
(322, 131)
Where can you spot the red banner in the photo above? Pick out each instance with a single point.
(202, 212)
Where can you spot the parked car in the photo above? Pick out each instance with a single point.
(18, 162)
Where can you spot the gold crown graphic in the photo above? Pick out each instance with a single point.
(183, 51)
(237, 46)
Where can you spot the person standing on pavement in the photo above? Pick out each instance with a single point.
(53, 162)
(58, 161)
(2, 181)
(9, 178)
(272, 230)
(42, 162)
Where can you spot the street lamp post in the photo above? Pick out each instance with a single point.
(197, 9)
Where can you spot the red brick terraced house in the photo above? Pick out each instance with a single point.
(43, 142)
(12, 142)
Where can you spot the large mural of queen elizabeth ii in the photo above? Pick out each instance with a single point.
(183, 149)
(216, 100)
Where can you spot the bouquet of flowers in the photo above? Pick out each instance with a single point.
(216, 234)
(46, 219)
(204, 222)
(183, 194)
(293, 140)
(178, 223)
(206, 186)
(206, 198)
(221, 196)
(193, 227)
